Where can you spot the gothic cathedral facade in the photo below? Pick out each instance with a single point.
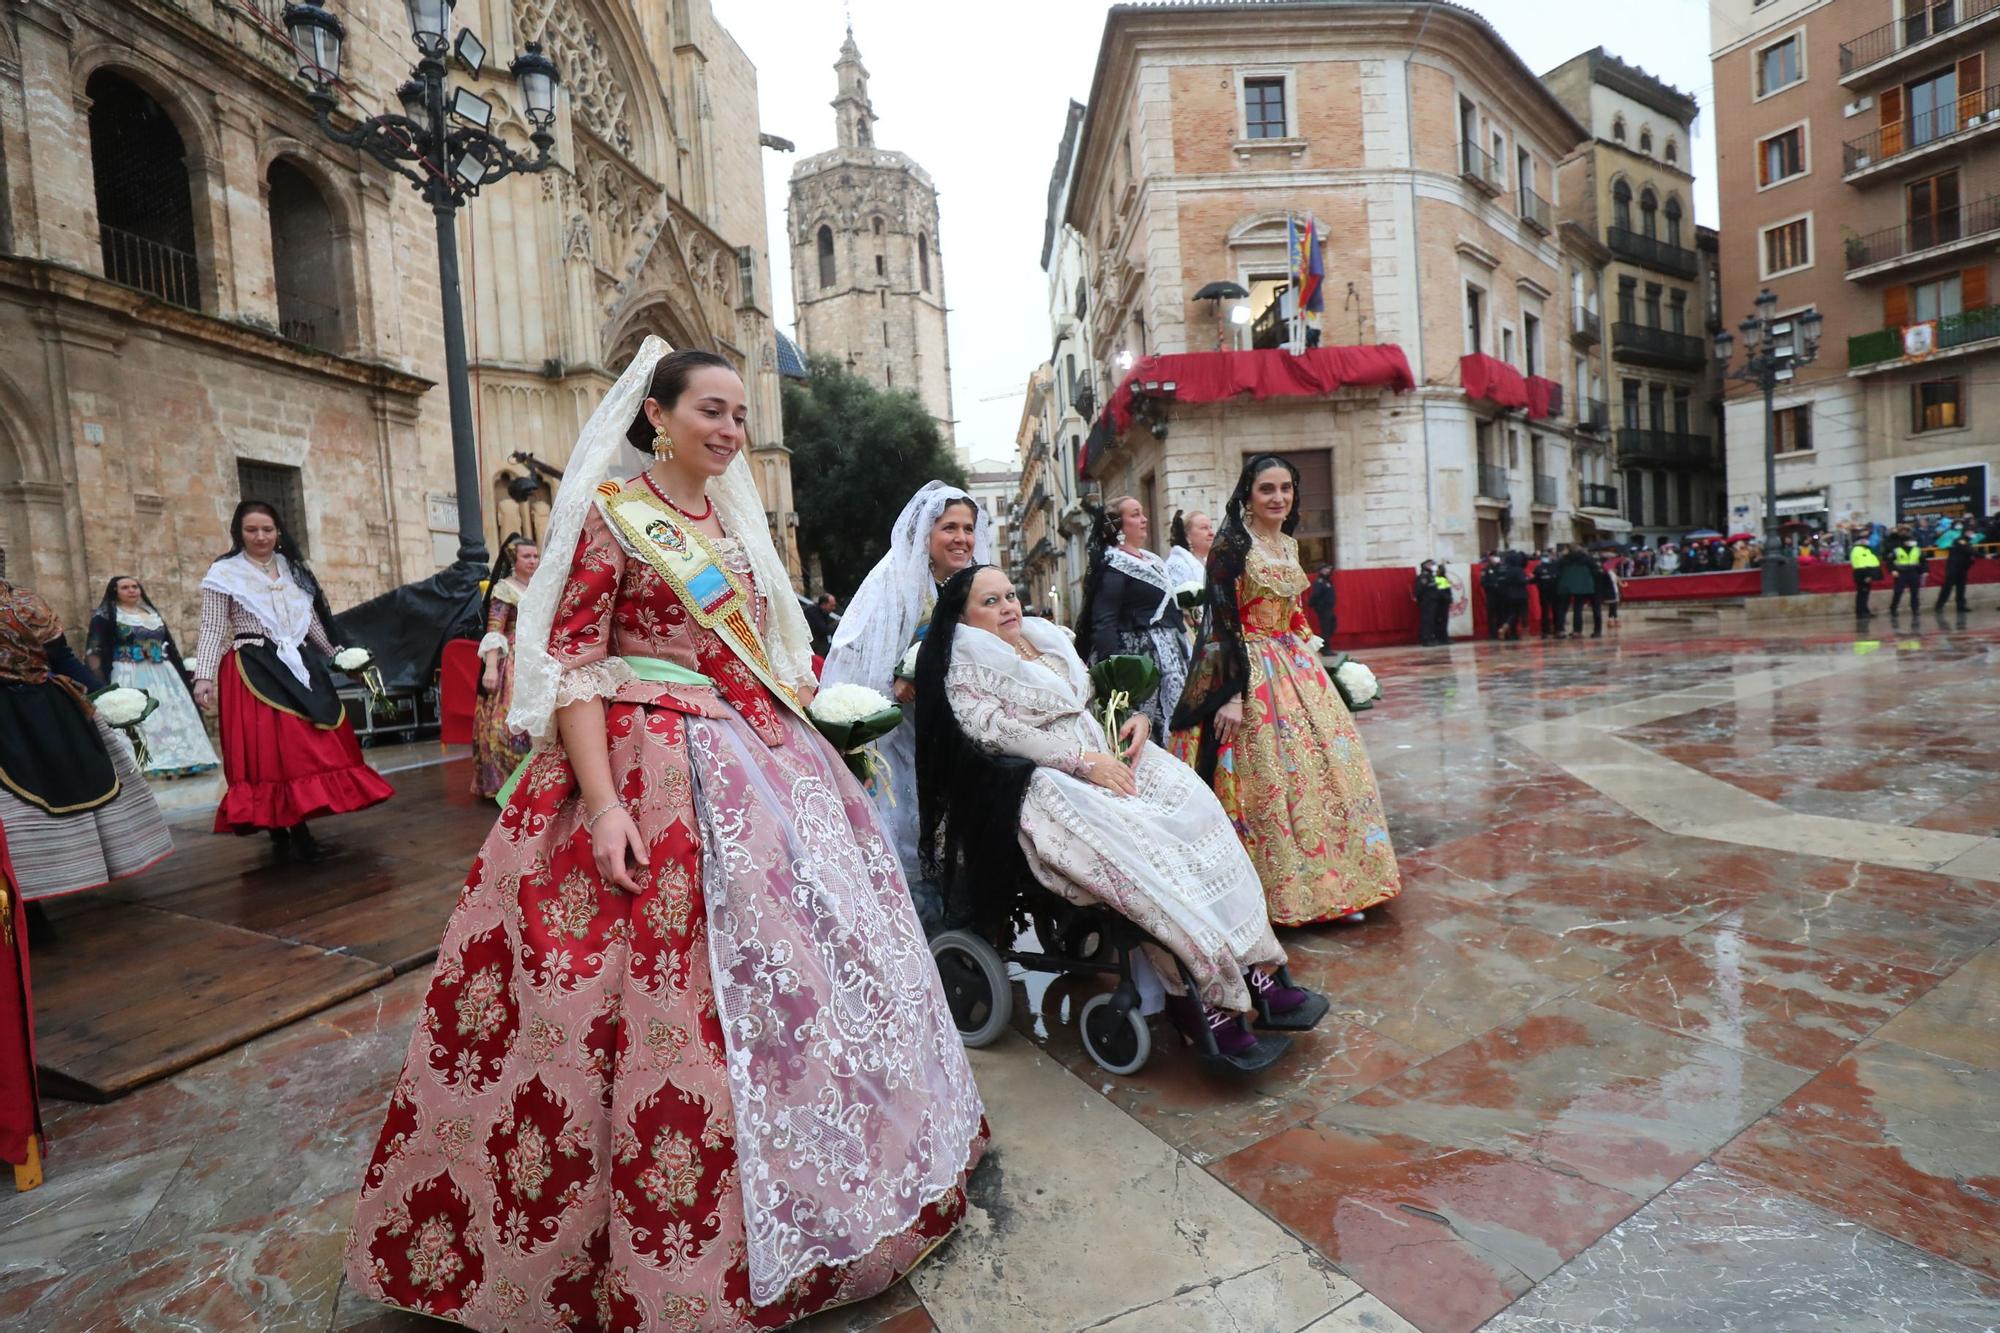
(867, 269)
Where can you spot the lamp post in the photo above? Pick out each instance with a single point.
(442, 145)
(1772, 348)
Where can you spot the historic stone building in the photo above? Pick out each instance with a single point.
(202, 298)
(867, 269)
(1426, 152)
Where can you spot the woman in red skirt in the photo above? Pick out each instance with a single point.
(287, 749)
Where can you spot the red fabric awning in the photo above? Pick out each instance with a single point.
(1495, 381)
(1543, 395)
(1211, 377)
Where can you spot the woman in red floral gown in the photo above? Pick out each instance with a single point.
(684, 1062)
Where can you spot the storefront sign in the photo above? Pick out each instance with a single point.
(1942, 492)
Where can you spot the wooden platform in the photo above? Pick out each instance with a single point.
(220, 943)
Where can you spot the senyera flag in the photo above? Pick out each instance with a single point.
(1308, 265)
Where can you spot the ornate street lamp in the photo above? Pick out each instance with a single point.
(1772, 349)
(443, 145)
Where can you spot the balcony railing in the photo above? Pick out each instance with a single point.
(1545, 490)
(1928, 21)
(1652, 252)
(1970, 326)
(1478, 168)
(313, 323)
(1970, 112)
(1534, 210)
(1665, 446)
(1586, 326)
(1593, 415)
(1641, 342)
(164, 270)
(1948, 226)
(1592, 495)
(1492, 481)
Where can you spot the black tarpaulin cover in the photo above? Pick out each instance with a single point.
(407, 627)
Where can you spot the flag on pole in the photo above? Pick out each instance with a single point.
(1308, 274)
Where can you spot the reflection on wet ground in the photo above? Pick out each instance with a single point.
(1688, 1018)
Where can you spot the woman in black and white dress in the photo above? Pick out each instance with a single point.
(1129, 606)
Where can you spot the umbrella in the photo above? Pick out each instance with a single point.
(1703, 535)
(1742, 537)
(1221, 291)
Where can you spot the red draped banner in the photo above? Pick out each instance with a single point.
(1211, 377)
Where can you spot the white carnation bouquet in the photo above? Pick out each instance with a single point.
(850, 717)
(124, 708)
(360, 663)
(1359, 689)
(1191, 594)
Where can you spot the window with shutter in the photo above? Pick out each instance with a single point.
(1971, 87)
(1895, 306)
(1972, 288)
(1890, 107)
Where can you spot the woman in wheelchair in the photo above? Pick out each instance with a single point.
(1014, 781)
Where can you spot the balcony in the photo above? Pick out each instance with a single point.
(1586, 327)
(1651, 251)
(1493, 482)
(1952, 336)
(1973, 115)
(1923, 37)
(1534, 210)
(1639, 445)
(1925, 239)
(1591, 495)
(1642, 345)
(167, 272)
(1593, 416)
(1478, 169)
(1545, 490)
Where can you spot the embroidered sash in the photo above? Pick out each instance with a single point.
(682, 556)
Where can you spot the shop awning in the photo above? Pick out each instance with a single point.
(1809, 503)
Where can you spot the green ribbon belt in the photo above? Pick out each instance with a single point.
(652, 670)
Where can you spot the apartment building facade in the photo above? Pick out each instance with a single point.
(1425, 152)
(1633, 188)
(1859, 149)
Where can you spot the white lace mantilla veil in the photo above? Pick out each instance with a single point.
(874, 632)
(603, 452)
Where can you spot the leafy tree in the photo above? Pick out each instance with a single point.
(858, 454)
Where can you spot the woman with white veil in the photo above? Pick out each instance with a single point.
(940, 531)
(684, 1061)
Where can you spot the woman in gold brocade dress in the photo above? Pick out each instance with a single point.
(1261, 721)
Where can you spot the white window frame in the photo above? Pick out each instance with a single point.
(1487, 334)
(1764, 250)
(1798, 35)
(1805, 153)
(1291, 77)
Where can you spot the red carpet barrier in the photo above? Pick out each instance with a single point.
(1814, 578)
(458, 690)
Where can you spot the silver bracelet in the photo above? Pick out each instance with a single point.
(590, 823)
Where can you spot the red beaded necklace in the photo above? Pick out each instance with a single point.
(708, 509)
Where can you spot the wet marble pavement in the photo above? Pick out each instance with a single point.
(1688, 1018)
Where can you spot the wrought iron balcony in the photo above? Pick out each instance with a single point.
(1652, 252)
(1545, 490)
(1493, 482)
(1586, 326)
(1534, 210)
(1925, 34)
(1663, 446)
(313, 323)
(1966, 225)
(1971, 115)
(1477, 167)
(1644, 345)
(166, 271)
(1592, 495)
(1593, 415)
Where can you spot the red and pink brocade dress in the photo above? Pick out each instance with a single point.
(568, 1144)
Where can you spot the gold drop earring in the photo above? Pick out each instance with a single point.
(663, 444)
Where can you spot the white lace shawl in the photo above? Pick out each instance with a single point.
(283, 608)
(1184, 566)
(881, 618)
(602, 450)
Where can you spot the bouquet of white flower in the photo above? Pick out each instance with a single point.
(907, 668)
(360, 663)
(1191, 594)
(1357, 684)
(850, 716)
(125, 708)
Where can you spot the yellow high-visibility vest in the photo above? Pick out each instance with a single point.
(1864, 557)
(1908, 557)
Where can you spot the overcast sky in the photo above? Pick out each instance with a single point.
(976, 94)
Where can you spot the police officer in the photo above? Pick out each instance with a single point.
(1908, 559)
(1544, 577)
(1957, 570)
(1867, 567)
(1423, 590)
(1496, 603)
(1441, 605)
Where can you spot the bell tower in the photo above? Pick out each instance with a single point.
(854, 117)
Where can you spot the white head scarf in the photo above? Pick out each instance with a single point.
(875, 632)
(603, 450)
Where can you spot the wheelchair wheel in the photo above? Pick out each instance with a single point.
(1118, 1045)
(1087, 939)
(975, 986)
